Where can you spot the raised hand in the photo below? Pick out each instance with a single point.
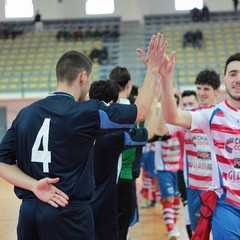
(167, 66)
(156, 49)
(47, 192)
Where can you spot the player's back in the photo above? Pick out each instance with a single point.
(55, 137)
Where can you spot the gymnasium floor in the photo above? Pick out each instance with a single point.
(150, 226)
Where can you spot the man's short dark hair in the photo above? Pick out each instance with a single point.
(133, 94)
(234, 57)
(104, 90)
(120, 75)
(210, 77)
(71, 64)
(187, 93)
(134, 91)
(177, 99)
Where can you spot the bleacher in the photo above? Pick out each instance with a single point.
(221, 39)
(166, 19)
(27, 64)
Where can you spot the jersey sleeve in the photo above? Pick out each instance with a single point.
(7, 147)
(201, 119)
(136, 137)
(117, 116)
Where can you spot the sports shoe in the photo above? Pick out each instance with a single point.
(178, 234)
(128, 236)
(144, 203)
(152, 204)
(173, 235)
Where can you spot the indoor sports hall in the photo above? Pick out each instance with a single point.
(109, 32)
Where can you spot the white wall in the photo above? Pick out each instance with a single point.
(129, 10)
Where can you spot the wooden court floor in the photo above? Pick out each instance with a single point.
(150, 226)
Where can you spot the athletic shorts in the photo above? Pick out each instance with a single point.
(41, 221)
(148, 163)
(226, 221)
(109, 235)
(168, 184)
(194, 205)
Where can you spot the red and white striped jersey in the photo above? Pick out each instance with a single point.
(168, 153)
(198, 162)
(222, 126)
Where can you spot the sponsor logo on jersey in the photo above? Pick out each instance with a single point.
(200, 140)
(232, 145)
(200, 165)
(234, 176)
(204, 155)
(236, 163)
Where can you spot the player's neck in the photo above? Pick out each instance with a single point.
(212, 103)
(123, 94)
(68, 90)
(234, 103)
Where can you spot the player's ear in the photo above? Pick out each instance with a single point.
(129, 84)
(82, 78)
